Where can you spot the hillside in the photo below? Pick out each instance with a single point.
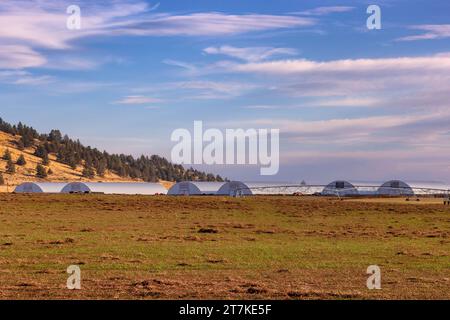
(69, 160)
(26, 173)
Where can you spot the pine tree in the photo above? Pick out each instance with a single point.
(101, 168)
(21, 161)
(20, 145)
(7, 155)
(40, 171)
(50, 171)
(26, 141)
(45, 159)
(40, 151)
(88, 172)
(10, 167)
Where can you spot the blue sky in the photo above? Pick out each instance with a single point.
(349, 102)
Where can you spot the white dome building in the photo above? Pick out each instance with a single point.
(115, 188)
(235, 188)
(39, 187)
(340, 188)
(193, 188)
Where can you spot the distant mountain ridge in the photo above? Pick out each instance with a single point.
(66, 159)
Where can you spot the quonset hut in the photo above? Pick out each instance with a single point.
(395, 188)
(235, 188)
(340, 188)
(193, 188)
(115, 188)
(410, 188)
(39, 187)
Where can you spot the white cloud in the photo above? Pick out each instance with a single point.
(432, 31)
(21, 77)
(19, 56)
(200, 89)
(251, 54)
(137, 100)
(375, 66)
(387, 82)
(32, 25)
(211, 24)
(344, 102)
(321, 11)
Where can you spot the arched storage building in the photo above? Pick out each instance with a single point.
(192, 188)
(235, 188)
(340, 188)
(395, 188)
(115, 188)
(39, 187)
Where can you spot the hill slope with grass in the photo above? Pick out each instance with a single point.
(26, 173)
(65, 160)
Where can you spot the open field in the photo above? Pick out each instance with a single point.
(137, 247)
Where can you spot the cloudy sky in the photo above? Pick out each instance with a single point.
(349, 102)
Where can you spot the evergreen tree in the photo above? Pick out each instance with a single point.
(10, 167)
(26, 141)
(21, 161)
(41, 172)
(50, 171)
(20, 145)
(40, 151)
(7, 155)
(88, 172)
(45, 159)
(101, 168)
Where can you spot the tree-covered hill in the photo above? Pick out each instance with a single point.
(96, 163)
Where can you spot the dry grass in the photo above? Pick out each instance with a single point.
(136, 247)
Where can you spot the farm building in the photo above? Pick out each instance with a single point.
(115, 188)
(234, 188)
(39, 187)
(409, 188)
(395, 188)
(340, 188)
(191, 188)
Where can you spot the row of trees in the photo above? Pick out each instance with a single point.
(97, 163)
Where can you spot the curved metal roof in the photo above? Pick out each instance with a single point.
(40, 187)
(115, 188)
(340, 188)
(395, 187)
(234, 188)
(195, 188)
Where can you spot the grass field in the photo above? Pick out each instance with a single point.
(136, 247)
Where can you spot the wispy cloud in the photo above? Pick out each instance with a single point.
(19, 57)
(137, 100)
(200, 89)
(379, 79)
(21, 77)
(250, 54)
(303, 66)
(180, 64)
(432, 31)
(28, 26)
(321, 11)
